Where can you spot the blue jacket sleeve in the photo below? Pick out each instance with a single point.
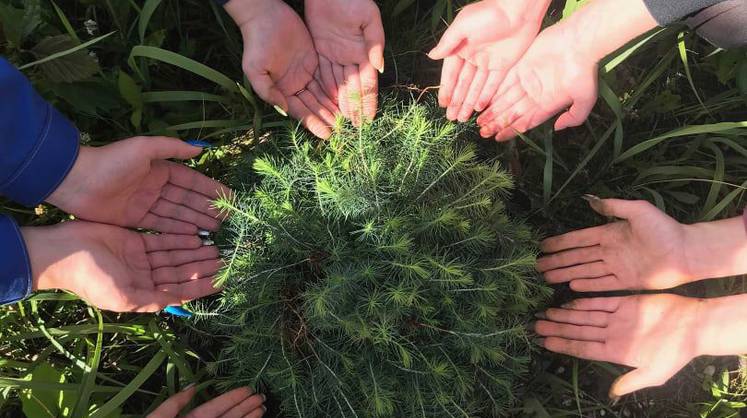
(38, 147)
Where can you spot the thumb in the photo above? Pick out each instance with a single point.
(164, 148)
(616, 208)
(636, 380)
(265, 88)
(449, 43)
(374, 36)
(577, 114)
(170, 407)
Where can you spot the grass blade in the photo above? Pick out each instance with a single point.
(66, 52)
(185, 63)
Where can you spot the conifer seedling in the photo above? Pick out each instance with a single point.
(376, 274)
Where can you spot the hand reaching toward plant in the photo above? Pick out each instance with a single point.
(120, 270)
(349, 36)
(485, 40)
(645, 249)
(238, 403)
(655, 334)
(130, 183)
(280, 62)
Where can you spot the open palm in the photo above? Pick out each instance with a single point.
(120, 270)
(130, 183)
(644, 250)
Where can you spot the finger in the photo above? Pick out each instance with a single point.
(496, 117)
(176, 258)
(570, 332)
(187, 272)
(621, 209)
(373, 34)
(579, 110)
(298, 110)
(317, 108)
(167, 225)
(265, 87)
(583, 271)
(190, 291)
(514, 119)
(171, 407)
(257, 413)
(220, 405)
(167, 242)
(327, 79)
(353, 92)
(599, 284)
(569, 316)
(248, 405)
(449, 76)
(449, 44)
(495, 78)
(193, 200)
(568, 258)
(473, 94)
(595, 304)
(370, 90)
(338, 72)
(590, 350)
(167, 209)
(576, 239)
(316, 90)
(518, 126)
(150, 300)
(164, 148)
(460, 91)
(636, 380)
(190, 179)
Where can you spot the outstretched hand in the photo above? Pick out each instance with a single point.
(120, 270)
(644, 249)
(130, 183)
(349, 36)
(280, 62)
(550, 78)
(485, 40)
(238, 403)
(655, 334)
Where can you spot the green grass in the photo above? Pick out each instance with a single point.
(670, 127)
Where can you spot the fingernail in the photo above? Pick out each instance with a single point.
(264, 408)
(264, 397)
(207, 242)
(531, 325)
(203, 233)
(189, 386)
(590, 198)
(539, 341)
(280, 110)
(178, 311)
(199, 143)
(614, 399)
(381, 70)
(540, 315)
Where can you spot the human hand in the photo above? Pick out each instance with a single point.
(349, 36)
(485, 40)
(238, 403)
(549, 78)
(120, 270)
(129, 183)
(645, 249)
(655, 334)
(280, 62)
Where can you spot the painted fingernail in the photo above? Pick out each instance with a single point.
(203, 233)
(178, 311)
(540, 315)
(280, 110)
(207, 242)
(199, 143)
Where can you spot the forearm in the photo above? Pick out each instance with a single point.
(724, 326)
(603, 26)
(716, 249)
(243, 11)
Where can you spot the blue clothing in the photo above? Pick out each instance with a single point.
(38, 148)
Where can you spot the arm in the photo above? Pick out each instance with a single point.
(716, 249)
(724, 326)
(38, 148)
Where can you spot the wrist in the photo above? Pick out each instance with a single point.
(604, 26)
(71, 187)
(722, 329)
(715, 249)
(245, 11)
(39, 244)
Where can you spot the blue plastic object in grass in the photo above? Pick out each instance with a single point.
(178, 311)
(199, 143)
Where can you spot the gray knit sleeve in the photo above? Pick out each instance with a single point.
(670, 11)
